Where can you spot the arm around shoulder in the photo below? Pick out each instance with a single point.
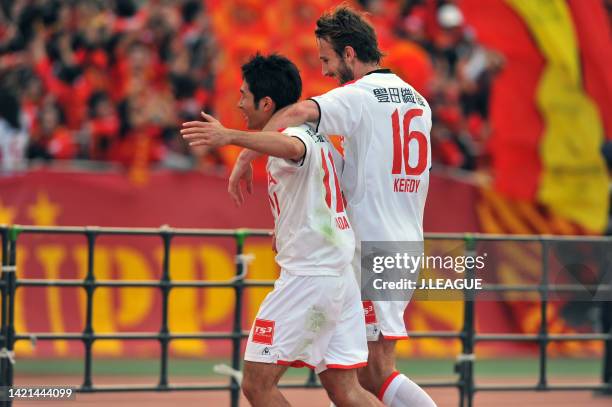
(270, 143)
(294, 115)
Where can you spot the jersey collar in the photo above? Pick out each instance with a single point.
(381, 70)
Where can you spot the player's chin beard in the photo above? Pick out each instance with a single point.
(344, 73)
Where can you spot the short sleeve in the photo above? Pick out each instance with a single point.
(301, 133)
(340, 111)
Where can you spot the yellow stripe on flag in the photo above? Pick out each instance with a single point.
(574, 180)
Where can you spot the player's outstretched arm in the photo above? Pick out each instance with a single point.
(270, 143)
(211, 133)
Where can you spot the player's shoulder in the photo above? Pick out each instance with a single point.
(303, 129)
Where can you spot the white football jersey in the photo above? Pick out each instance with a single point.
(387, 154)
(313, 234)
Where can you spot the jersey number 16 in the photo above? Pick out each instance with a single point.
(401, 149)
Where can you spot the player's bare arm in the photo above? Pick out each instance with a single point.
(293, 115)
(212, 133)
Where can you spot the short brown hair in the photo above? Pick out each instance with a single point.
(346, 27)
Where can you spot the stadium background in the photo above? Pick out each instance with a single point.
(522, 98)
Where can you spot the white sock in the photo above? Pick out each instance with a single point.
(403, 392)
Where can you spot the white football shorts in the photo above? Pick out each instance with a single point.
(310, 321)
(384, 318)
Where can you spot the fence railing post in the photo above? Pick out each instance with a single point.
(90, 287)
(4, 302)
(543, 332)
(465, 363)
(165, 291)
(241, 235)
(605, 271)
(9, 271)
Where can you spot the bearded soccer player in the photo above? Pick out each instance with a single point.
(386, 125)
(311, 316)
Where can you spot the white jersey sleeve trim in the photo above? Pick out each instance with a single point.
(302, 135)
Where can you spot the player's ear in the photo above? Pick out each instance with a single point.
(267, 103)
(349, 53)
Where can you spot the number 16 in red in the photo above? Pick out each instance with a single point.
(401, 148)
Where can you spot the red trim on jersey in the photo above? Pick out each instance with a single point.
(393, 337)
(386, 384)
(295, 363)
(281, 130)
(326, 180)
(355, 366)
(339, 203)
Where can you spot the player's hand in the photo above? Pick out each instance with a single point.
(206, 133)
(242, 171)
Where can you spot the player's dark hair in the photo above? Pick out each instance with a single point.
(344, 27)
(274, 76)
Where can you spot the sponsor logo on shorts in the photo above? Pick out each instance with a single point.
(263, 331)
(266, 351)
(368, 312)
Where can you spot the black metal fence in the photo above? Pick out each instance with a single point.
(465, 383)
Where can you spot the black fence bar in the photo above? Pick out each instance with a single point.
(4, 261)
(143, 388)
(537, 337)
(11, 287)
(543, 337)
(549, 387)
(226, 336)
(469, 338)
(465, 362)
(237, 328)
(165, 286)
(9, 277)
(90, 287)
(567, 288)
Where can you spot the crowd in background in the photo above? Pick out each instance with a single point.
(102, 80)
(111, 80)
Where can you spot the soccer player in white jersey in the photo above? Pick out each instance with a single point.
(386, 126)
(311, 317)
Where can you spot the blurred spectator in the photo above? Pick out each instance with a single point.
(50, 139)
(102, 129)
(13, 135)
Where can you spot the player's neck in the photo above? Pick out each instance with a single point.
(362, 69)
